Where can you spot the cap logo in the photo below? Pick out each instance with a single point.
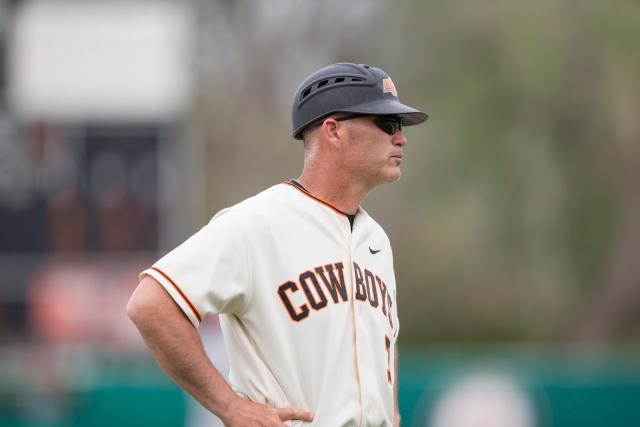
(389, 87)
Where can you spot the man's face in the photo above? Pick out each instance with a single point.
(372, 155)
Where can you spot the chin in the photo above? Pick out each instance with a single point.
(393, 176)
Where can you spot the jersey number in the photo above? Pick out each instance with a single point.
(387, 345)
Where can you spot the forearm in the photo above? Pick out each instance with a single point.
(176, 346)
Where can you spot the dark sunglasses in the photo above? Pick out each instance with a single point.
(388, 124)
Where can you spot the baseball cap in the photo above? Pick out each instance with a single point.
(348, 88)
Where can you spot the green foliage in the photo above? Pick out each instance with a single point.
(507, 219)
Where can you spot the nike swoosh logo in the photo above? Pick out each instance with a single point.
(374, 251)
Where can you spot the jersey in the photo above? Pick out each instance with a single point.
(307, 304)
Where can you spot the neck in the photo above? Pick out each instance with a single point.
(334, 188)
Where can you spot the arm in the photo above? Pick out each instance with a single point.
(176, 346)
(396, 415)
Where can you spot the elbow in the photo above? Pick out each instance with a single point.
(133, 308)
(137, 306)
(145, 302)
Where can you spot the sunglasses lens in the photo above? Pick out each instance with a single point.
(389, 125)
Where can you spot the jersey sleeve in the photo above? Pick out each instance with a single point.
(209, 272)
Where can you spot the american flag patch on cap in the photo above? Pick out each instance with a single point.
(389, 87)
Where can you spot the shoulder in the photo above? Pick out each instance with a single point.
(272, 196)
(254, 209)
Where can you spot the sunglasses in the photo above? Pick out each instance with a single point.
(388, 124)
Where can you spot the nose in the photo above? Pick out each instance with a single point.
(399, 139)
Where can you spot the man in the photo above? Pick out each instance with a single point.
(301, 275)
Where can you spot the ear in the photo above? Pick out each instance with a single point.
(332, 133)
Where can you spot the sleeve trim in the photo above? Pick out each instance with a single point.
(182, 294)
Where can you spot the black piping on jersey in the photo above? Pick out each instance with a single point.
(352, 217)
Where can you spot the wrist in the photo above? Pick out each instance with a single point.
(225, 406)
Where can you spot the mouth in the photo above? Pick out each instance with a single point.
(397, 156)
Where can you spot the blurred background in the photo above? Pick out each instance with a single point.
(124, 126)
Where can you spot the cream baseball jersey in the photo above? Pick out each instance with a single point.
(307, 304)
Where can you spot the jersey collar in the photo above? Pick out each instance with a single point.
(295, 184)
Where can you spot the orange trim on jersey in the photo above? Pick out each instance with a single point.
(306, 193)
(184, 296)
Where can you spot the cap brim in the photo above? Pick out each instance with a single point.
(410, 115)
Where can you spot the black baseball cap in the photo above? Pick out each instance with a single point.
(348, 88)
